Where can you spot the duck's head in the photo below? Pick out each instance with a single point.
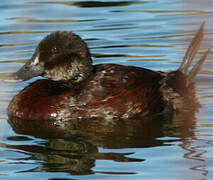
(60, 56)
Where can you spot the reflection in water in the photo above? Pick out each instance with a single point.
(74, 149)
(91, 4)
(73, 155)
(194, 153)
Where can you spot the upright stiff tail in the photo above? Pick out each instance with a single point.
(190, 54)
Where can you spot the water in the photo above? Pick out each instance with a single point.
(151, 34)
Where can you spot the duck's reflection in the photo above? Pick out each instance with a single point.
(73, 147)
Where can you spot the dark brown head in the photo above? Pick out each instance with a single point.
(60, 56)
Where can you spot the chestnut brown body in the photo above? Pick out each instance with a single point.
(111, 92)
(77, 90)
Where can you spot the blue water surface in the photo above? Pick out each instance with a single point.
(152, 34)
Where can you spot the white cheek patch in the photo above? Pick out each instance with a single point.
(36, 60)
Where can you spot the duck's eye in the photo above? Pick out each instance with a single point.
(54, 50)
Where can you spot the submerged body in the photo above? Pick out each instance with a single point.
(78, 90)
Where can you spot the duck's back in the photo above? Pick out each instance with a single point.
(111, 92)
(116, 91)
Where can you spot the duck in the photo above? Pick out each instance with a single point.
(75, 89)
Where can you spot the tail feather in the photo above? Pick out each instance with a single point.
(197, 66)
(192, 50)
(190, 54)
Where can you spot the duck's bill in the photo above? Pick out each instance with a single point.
(28, 71)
